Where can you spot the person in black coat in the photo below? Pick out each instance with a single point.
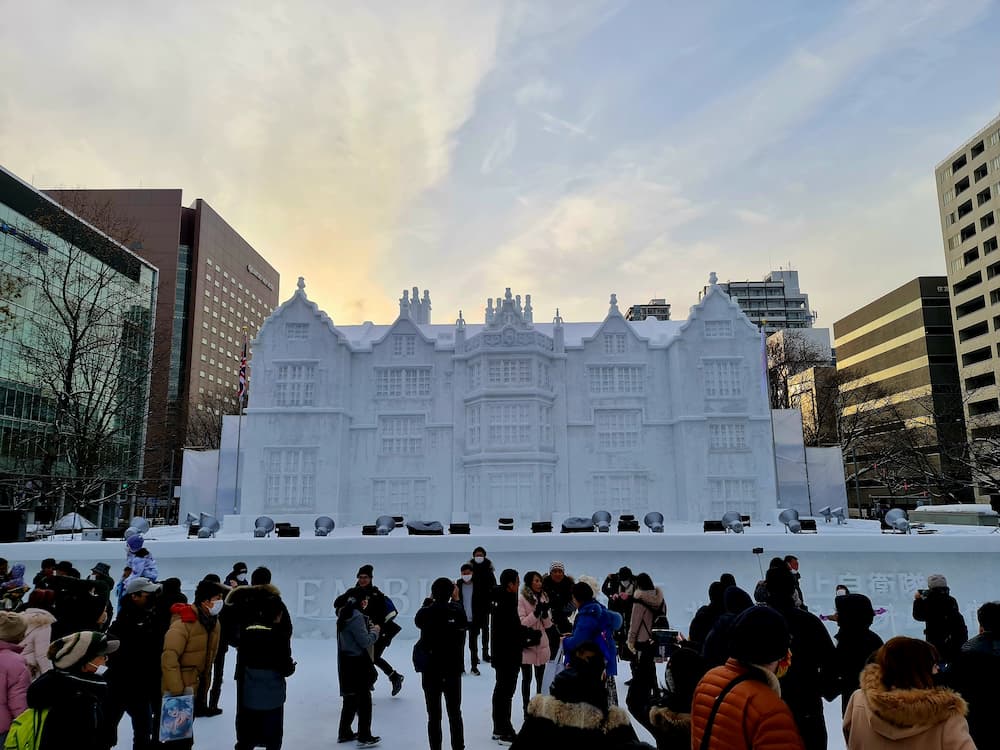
(944, 625)
(442, 623)
(973, 674)
(855, 642)
(704, 619)
(670, 719)
(715, 650)
(380, 613)
(559, 588)
(133, 674)
(74, 694)
(812, 675)
(230, 632)
(263, 663)
(506, 642)
(76, 608)
(484, 582)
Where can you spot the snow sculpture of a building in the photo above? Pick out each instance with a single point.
(507, 418)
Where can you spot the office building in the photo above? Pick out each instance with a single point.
(212, 286)
(655, 308)
(897, 370)
(75, 356)
(968, 187)
(507, 416)
(774, 303)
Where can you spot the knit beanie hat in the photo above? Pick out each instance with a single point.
(79, 648)
(366, 570)
(759, 636)
(780, 583)
(135, 542)
(937, 581)
(556, 565)
(12, 627)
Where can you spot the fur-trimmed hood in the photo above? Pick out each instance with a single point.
(652, 599)
(577, 715)
(898, 714)
(37, 618)
(243, 594)
(665, 720)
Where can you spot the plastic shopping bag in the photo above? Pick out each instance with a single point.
(552, 668)
(177, 717)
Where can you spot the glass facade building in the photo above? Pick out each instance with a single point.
(76, 326)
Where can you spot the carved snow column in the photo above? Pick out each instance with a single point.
(460, 334)
(426, 307)
(528, 313)
(404, 305)
(489, 310)
(558, 335)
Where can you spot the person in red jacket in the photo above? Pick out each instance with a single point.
(738, 705)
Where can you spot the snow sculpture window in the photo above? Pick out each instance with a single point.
(475, 375)
(290, 478)
(295, 384)
(733, 494)
(511, 491)
(401, 435)
(615, 343)
(727, 436)
(402, 382)
(618, 430)
(545, 426)
(472, 426)
(718, 329)
(398, 497)
(297, 331)
(509, 423)
(404, 345)
(619, 492)
(509, 372)
(723, 378)
(617, 379)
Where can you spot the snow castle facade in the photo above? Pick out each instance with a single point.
(508, 417)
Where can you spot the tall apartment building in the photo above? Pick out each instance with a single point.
(656, 308)
(212, 285)
(897, 370)
(968, 185)
(774, 303)
(76, 320)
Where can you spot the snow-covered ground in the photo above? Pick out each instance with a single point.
(313, 708)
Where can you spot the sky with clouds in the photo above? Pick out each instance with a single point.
(564, 149)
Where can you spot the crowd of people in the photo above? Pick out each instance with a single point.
(77, 654)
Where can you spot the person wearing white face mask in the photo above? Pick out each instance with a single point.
(191, 643)
(75, 694)
(484, 580)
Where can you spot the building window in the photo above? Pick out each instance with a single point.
(545, 425)
(509, 424)
(727, 436)
(511, 491)
(618, 430)
(402, 382)
(733, 494)
(397, 497)
(987, 221)
(619, 492)
(295, 385)
(401, 435)
(472, 426)
(614, 343)
(508, 372)
(617, 379)
(404, 345)
(297, 331)
(291, 478)
(723, 378)
(475, 375)
(718, 329)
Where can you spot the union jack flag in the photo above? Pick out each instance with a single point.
(241, 390)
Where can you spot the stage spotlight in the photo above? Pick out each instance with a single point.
(424, 528)
(206, 521)
(602, 520)
(505, 524)
(790, 518)
(654, 521)
(826, 513)
(840, 515)
(263, 527)
(384, 525)
(731, 521)
(191, 519)
(897, 521)
(140, 524)
(541, 527)
(205, 533)
(627, 522)
(324, 525)
(577, 525)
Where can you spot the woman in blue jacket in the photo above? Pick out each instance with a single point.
(594, 622)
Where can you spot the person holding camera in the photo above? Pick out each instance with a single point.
(944, 625)
(356, 634)
(536, 617)
(648, 606)
(506, 647)
(442, 623)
